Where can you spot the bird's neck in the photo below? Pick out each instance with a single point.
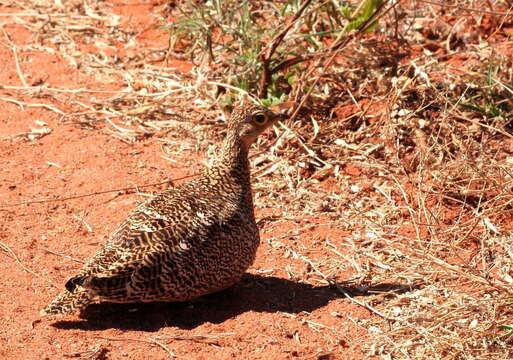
(233, 161)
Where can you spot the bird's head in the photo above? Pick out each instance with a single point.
(249, 121)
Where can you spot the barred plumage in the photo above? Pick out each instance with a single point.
(184, 242)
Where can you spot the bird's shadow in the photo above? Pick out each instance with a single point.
(253, 293)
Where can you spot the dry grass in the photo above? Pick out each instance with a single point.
(417, 153)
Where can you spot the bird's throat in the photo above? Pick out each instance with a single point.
(233, 160)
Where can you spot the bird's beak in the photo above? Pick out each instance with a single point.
(283, 116)
(283, 110)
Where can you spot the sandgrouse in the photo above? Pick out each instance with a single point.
(184, 242)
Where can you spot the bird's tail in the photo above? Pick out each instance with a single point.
(69, 302)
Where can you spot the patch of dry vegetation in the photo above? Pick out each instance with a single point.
(405, 144)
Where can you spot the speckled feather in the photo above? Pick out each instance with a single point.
(184, 242)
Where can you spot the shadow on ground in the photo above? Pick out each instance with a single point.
(253, 293)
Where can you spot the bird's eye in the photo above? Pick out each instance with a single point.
(260, 118)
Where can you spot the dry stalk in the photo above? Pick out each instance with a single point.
(8, 252)
(131, 188)
(267, 53)
(21, 104)
(482, 11)
(63, 255)
(151, 341)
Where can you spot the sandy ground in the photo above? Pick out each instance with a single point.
(265, 316)
(418, 215)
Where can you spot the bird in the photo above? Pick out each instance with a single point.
(184, 242)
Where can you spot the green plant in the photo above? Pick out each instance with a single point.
(508, 329)
(260, 47)
(490, 97)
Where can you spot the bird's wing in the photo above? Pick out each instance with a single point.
(115, 267)
(146, 234)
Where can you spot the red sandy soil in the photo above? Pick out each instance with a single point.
(265, 316)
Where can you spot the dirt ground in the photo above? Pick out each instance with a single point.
(280, 310)
(265, 316)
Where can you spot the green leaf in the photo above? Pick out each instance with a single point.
(365, 13)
